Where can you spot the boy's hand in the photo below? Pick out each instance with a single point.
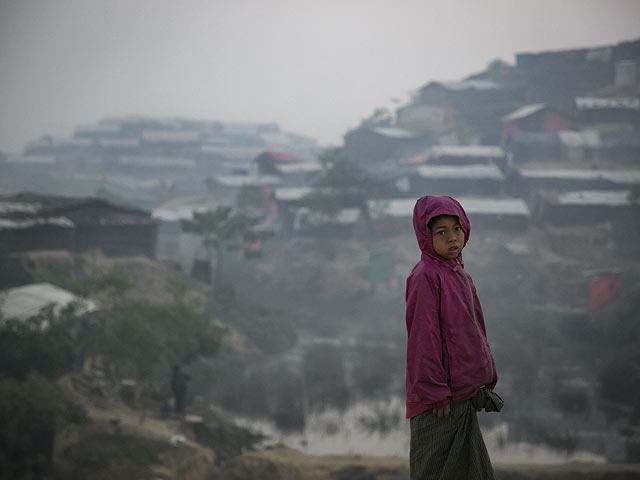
(442, 412)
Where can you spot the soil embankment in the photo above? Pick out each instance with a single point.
(123, 442)
(286, 464)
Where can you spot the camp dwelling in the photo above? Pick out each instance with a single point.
(39, 222)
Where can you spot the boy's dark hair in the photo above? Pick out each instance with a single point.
(433, 219)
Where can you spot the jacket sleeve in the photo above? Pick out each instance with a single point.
(480, 316)
(427, 374)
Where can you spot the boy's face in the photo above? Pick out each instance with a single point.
(448, 236)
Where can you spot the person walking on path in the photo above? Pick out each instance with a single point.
(179, 381)
(450, 373)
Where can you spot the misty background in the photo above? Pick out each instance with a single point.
(314, 68)
(228, 187)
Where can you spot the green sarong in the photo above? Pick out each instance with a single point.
(449, 448)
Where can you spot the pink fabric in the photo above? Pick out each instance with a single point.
(448, 356)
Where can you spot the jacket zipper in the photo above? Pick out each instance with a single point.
(475, 320)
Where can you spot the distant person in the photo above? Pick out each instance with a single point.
(450, 370)
(179, 381)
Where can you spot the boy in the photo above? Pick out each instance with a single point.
(450, 370)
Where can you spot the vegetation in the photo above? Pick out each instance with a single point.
(132, 334)
(33, 408)
(223, 230)
(139, 335)
(31, 412)
(121, 456)
(342, 184)
(607, 344)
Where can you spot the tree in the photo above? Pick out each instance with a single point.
(33, 353)
(31, 412)
(223, 229)
(140, 335)
(43, 343)
(341, 185)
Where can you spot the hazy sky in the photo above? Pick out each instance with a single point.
(315, 67)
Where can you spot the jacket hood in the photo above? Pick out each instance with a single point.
(431, 206)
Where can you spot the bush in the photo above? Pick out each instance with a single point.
(30, 414)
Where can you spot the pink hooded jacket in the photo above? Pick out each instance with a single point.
(448, 356)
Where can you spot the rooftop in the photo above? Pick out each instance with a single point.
(246, 180)
(403, 207)
(594, 197)
(182, 208)
(292, 193)
(395, 132)
(465, 85)
(19, 224)
(483, 151)
(585, 103)
(301, 167)
(524, 112)
(304, 217)
(615, 176)
(463, 171)
(27, 301)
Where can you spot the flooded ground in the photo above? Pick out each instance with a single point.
(357, 431)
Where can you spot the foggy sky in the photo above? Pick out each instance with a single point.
(315, 67)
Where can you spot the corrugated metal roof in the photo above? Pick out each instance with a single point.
(483, 151)
(582, 138)
(300, 167)
(19, 207)
(396, 208)
(304, 217)
(184, 212)
(463, 171)
(246, 180)
(183, 208)
(494, 206)
(20, 224)
(291, 193)
(403, 207)
(395, 132)
(586, 103)
(594, 197)
(524, 112)
(615, 176)
(27, 301)
(468, 85)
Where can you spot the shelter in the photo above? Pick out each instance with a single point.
(311, 222)
(392, 216)
(27, 301)
(173, 244)
(370, 144)
(587, 207)
(535, 117)
(466, 155)
(457, 180)
(608, 113)
(528, 181)
(30, 221)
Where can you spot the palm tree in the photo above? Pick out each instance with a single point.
(223, 229)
